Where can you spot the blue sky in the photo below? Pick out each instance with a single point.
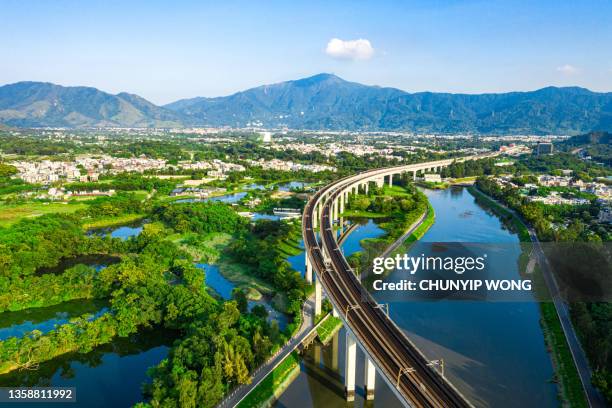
(165, 51)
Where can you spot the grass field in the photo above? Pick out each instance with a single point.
(10, 214)
(328, 328)
(274, 384)
(363, 214)
(112, 221)
(205, 248)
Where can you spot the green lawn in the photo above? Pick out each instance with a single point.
(202, 247)
(362, 214)
(112, 221)
(328, 328)
(10, 214)
(394, 191)
(274, 384)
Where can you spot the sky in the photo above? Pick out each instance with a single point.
(165, 51)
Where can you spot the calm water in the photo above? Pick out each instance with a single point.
(44, 319)
(297, 262)
(366, 229)
(292, 185)
(494, 352)
(352, 244)
(228, 198)
(122, 232)
(109, 376)
(255, 186)
(96, 261)
(224, 287)
(262, 216)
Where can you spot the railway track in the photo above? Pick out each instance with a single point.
(398, 359)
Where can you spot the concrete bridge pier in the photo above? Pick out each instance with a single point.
(317, 354)
(390, 180)
(308, 274)
(349, 367)
(318, 296)
(370, 379)
(335, 352)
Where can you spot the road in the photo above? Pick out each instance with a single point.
(306, 328)
(595, 399)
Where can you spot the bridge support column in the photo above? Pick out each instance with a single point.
(370, 379)
(349, 367)
(317, 354)
(335, 352)
(318, 296)
(335, 312)
(308, 273)
(414, 175)
(365, 188)
(390, 180)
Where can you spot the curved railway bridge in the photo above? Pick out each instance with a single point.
(414, 379)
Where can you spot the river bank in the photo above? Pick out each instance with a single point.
(493, 352)
(570, 386)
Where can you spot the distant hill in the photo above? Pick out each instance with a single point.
(36, 104)
(597, 145)
(327, 102)
(604, 138)
(320, 102)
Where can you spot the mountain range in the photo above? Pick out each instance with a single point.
(320, 102)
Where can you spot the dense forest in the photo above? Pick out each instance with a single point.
(154, 284)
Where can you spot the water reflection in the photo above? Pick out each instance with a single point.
(494, 352)
(44, 319)
(223, 287)
(321, 380)
(293, 185)
(122, 232)
(109, 376)
(96, 261)
(228, 198)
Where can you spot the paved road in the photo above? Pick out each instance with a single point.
(305, 329)
(595, 399)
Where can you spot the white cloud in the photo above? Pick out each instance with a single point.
(360, 49)
(567, 69)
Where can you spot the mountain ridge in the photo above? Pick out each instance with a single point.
(320, 102)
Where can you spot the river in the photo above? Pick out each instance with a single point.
(494, 352)
(109, 376)
(45, 319)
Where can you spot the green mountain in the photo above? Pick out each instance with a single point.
(325, 101)
(597, 145)
(36, 104)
